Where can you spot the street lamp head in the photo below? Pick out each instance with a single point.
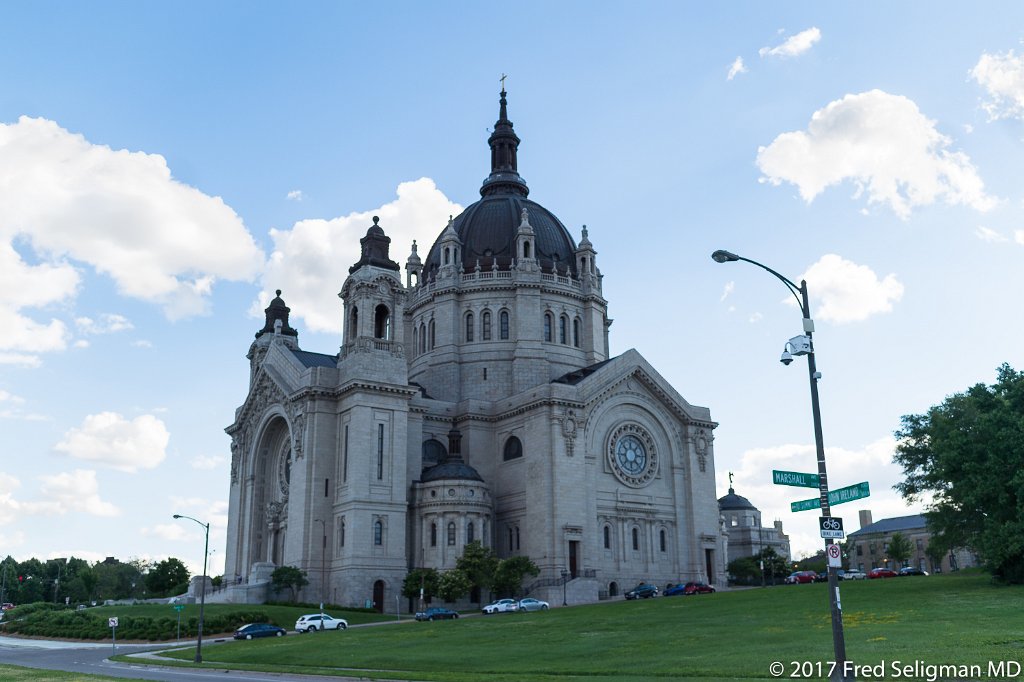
(722, 256)
(177, 516)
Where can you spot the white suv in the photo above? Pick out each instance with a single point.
(319, 621)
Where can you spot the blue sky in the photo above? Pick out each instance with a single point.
(164, 168)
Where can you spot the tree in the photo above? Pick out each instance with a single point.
(427, 578)
(967, 455)
(899, 549)
(166, 577)
(453, 585)
(478, 563)
(289, 577)
(509, 574)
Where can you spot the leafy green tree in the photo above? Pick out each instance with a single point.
(967, 455)
(453, 584)
(479, 564)
(745, 570)
(775, 565)
(509, 575)
(290, 578)
(166, 576)
(427, 578)
(899, 549)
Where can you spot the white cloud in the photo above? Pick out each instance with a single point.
(10, 408)
(755, 318)
(81, 343)
(208, 462)
(736, 68)
(167, 531)
(311, 260)
(6, 397)
(1018, 236)
(885, 145)
(968, 128)
(847, 292)
(1002, 77)
(107, 324)
(20, 359)
(296, 195)
(31, 286)
(727, 291)
(110, 439)
(793, 46)
(987, 234)
(120, 212)
(76, 491)
(142, 343)
(9, 507)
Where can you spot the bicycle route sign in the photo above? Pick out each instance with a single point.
(831, 527)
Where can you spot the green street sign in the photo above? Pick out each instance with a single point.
(179, 607)
(794, 478)
(847, 494)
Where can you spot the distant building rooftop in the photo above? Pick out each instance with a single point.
(897, 523)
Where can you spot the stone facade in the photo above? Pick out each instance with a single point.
(476, 401)
(869, 546)
(746, 535)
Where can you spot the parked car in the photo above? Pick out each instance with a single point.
(254, 630)
(821, 577)
(910, 570)
(881, 573)
(436, 613)
(6, 606)
(854, 574)
(671, 590)
(501, 606)
(698, 588)
(319, 621)
(800, 577)
(643, 590)
(531, 604)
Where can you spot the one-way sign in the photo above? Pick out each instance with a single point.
(831, 527)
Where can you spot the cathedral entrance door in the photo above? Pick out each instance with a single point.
(378, 595)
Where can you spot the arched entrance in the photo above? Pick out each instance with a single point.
(267, 493)
(378, 596)
(613, 589)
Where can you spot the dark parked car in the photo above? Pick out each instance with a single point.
(643, 590)
(436, 613)
(881, 573)
(254, 630)
(910, 570)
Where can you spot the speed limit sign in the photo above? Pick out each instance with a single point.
(834, 556)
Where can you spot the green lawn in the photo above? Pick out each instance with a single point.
(954, 619)
(285, 616)
(13, 673)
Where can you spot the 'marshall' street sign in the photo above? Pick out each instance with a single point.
(847, 494)
(794, 478)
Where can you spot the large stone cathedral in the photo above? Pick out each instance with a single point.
(477, 400)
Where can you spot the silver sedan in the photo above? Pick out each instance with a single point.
(530, 604)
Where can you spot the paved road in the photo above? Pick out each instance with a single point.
(91, 658)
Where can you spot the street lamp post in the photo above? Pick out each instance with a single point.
(565, 579)
(323, 568)
(202, 586)
(803, 345)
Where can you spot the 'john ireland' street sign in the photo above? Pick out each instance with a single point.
(794, 478)
(847, 494)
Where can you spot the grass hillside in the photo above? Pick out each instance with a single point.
(953, 619)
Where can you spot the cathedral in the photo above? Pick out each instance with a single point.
(473, 399)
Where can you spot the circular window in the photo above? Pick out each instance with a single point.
(471, 492)
(451, 492)
(632, 455)
(433, 493)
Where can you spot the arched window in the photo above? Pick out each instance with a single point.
(563, 330)
(517, 538)
(432, 335)
(576, 332)
(503, 322)
(447, 255)
(382, 322)
(354, 331)
(548, 323)
(661, 540)
(469, 327)
(433, 535)
(451, 533)
(607, 537)
(378, 533)
(414, 279)
(485, 325)
(469, 533)
(526, 249)
(513, 449)
(636, 539)
(415, 338)
(341, 533)
(510, 538)
(423, 338)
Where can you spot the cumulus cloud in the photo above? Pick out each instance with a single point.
(9, 507)
(28, 286)
(987, 234)
(296, 195)
(1002, 77)
(75, 491)
(108, 323)
(885, 146)
(109, 439)
(119, 212)
(794, 46)
(311, 260)
(11, 408)
(736, 68)
(847, 292)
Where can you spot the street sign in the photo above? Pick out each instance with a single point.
(847, 494)
(179, 607)
(835, 559)
(112, 622)
(831, 527)
(794, 478)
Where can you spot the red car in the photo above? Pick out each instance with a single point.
(881, 573)
(698, 588)
(800, 577)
